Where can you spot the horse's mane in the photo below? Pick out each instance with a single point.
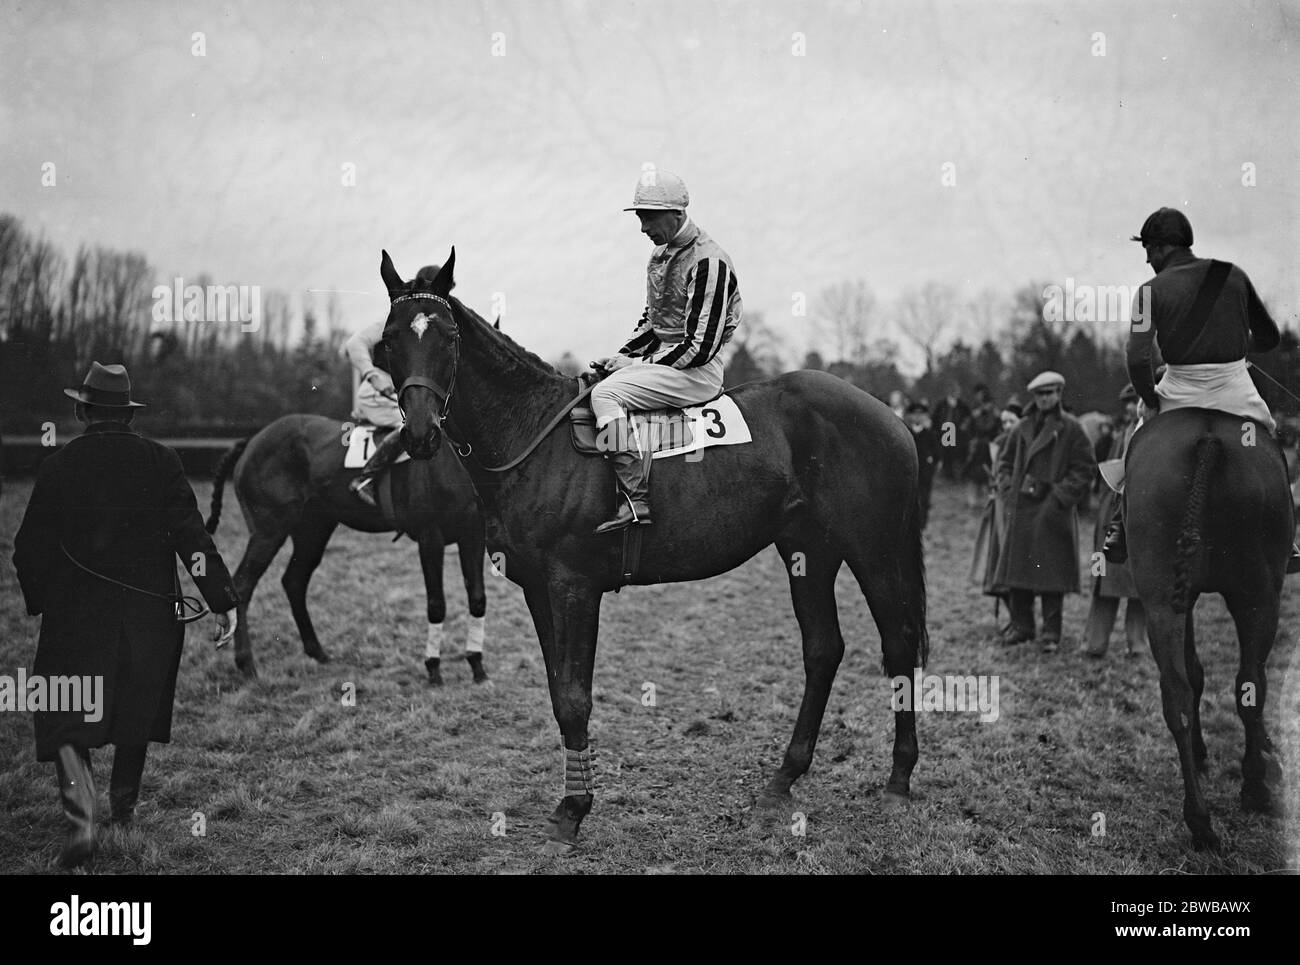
(516, 357)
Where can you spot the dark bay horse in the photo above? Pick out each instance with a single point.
(1209, 512)
(291, 484)
(831, 477)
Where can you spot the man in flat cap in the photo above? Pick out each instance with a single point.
(1043, 473)
(692, 309)
(96, 558)
(1206, 317)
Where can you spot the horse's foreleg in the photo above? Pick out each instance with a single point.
(1256, 622)
(261, 549)
(431, 547)
(309, 539)
(811, 567)
(471, 569)
(1166, 629)
(575, 615)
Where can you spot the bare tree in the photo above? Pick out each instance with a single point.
(925, 316)
(845, 315)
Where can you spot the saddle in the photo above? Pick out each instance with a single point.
(669, 432)
(362, 442)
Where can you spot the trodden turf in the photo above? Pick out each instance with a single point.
(696, 691)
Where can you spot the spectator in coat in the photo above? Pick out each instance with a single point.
(1112, 582)
(1043, 474)
(993, 524)
(96, 559)
(984, 425)
(928, 449)
(952, 425)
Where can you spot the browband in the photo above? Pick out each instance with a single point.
(436, 298)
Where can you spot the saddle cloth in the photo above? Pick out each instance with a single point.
(361, 446)
(671, 432)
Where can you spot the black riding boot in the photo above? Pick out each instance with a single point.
(77, 792)
(379, 460)
(633, 472)
(124, 784)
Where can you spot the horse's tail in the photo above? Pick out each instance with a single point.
(912, 568)
(224, 466)
(1208, 451)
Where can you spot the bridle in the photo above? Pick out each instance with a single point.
(463, 450)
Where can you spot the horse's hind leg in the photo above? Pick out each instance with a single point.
(880, 584)
(1196, 677)
(309, 539)
(1166, 630)
(1256, 628)
(261, 549)
(471, 569)
(811, 566)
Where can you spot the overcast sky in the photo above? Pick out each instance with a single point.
(813, 138)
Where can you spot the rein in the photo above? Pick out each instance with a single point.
(465, 450)
(179, 600)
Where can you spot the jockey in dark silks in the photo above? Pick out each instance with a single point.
(376, 399)
(1206, 317)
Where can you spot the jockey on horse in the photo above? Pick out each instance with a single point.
(1206, 316)
(692, 309)
(376, 399)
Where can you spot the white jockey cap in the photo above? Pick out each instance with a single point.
(1045, 380)
(660, 191)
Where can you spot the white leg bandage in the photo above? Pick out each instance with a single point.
(474, 634)
(433, 645)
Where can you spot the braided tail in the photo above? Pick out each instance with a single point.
(224, 466)
(1208, 451)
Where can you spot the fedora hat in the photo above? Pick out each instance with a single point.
(106, 385)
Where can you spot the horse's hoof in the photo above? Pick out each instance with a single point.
(556, 849)
(435, 681)
(1258, 800)
(1206, 840)
(895, 801)
(320, 656)
(771, 800)
(249, 670)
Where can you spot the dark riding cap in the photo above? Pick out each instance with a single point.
(1168, 226)
(915, 407)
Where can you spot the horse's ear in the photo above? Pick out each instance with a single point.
(446, 281)
(497, 323)
(392, 280)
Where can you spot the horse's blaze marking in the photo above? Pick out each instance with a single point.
(420, 325)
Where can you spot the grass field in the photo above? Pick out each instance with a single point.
(288, 779)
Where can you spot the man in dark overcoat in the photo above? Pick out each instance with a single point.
(1113, 582)
(1043, 474)
(96, 558)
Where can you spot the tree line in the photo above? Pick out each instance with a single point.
(57, 314)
